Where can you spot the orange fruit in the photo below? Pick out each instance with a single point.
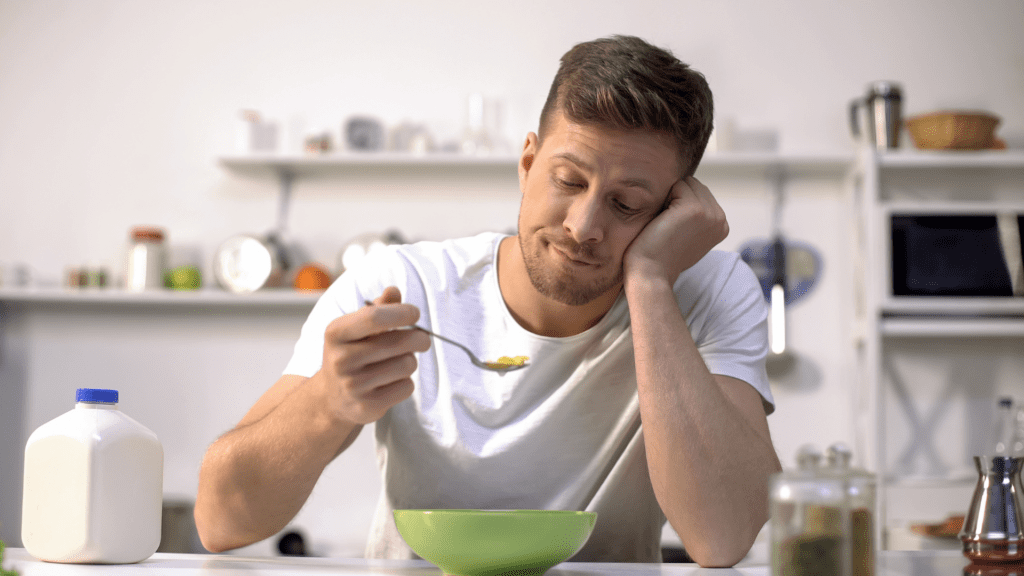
(312, 277)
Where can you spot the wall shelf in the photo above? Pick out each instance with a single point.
(277, 298)
(953, 306)
(951, 159)
(952, 327)
(720, 163)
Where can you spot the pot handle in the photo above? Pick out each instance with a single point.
(854, 117)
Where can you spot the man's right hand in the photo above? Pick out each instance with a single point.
(369, 359)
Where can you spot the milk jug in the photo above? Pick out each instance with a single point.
(93, 485)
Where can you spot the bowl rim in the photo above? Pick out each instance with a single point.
(496, 511)
(952, 113)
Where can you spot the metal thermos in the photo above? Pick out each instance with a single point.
(880, 112)
(992, 530)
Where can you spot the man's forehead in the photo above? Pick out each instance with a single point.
(642, 156)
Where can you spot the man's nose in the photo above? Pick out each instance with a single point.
(584, 219)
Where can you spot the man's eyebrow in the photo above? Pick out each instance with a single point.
(572, 158)
(641, 183)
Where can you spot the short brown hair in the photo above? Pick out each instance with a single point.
(626, 83)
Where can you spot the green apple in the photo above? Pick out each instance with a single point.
(186, 277)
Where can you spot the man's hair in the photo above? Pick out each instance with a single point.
(625, 83)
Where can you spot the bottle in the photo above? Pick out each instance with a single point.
(93, 489)
(144, 269)
(1005, 428)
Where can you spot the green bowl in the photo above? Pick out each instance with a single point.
(492, 542)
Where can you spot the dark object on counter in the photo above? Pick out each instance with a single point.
(949, 255)
(178, 533)
(292, 544)
(675, 555)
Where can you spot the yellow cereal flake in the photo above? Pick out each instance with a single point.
(506, 361)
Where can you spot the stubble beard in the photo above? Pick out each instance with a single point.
(557, 284)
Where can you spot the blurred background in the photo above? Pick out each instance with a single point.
(115, 114)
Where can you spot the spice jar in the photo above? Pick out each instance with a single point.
(144, 269)
(860, 491)
(809, 524)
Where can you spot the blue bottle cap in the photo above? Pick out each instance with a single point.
(96, 395)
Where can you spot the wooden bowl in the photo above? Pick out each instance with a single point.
(953, 130)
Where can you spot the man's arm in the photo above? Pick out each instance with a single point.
(255, 478)
(709, 449)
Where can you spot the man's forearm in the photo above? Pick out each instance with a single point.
(255, 478)
(709, 465)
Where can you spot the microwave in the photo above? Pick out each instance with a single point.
(957, 254)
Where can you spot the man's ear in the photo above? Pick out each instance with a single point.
(526, 158)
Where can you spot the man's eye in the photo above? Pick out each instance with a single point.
(625, 208)
(569, 183)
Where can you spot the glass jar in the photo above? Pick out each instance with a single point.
(809, 520)
(861, 489)
(144, 268)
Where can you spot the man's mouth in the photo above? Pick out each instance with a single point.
(574, 257)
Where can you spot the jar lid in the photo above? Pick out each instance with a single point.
(96, 395)
(147, 233)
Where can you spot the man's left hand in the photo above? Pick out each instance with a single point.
(688, 228)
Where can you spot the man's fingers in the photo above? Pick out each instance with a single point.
(369, 321)
(381, 347)
(390, 295)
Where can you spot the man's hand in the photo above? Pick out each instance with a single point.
(369, 359)
(691, 224)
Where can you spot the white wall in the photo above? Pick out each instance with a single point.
(114, 113)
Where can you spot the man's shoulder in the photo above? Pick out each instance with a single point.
(719, 272)
(465, 250)
(716, 265)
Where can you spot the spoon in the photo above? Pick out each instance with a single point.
(492, 366)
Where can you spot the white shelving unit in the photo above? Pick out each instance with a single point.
(896, 415)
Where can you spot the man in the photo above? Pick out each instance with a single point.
(612, 290)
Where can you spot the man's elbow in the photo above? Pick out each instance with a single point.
(214, 530)
(718, 555)
(218, 541)
(723, 551)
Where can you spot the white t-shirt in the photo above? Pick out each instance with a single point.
(563, 433)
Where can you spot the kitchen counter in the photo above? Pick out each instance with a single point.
(904, 563)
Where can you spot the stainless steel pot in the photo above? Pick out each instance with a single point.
(246, 263)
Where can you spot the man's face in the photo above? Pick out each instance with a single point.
(587, 193)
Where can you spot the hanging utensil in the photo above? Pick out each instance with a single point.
(779, 359)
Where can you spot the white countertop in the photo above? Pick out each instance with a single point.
(911, 563)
